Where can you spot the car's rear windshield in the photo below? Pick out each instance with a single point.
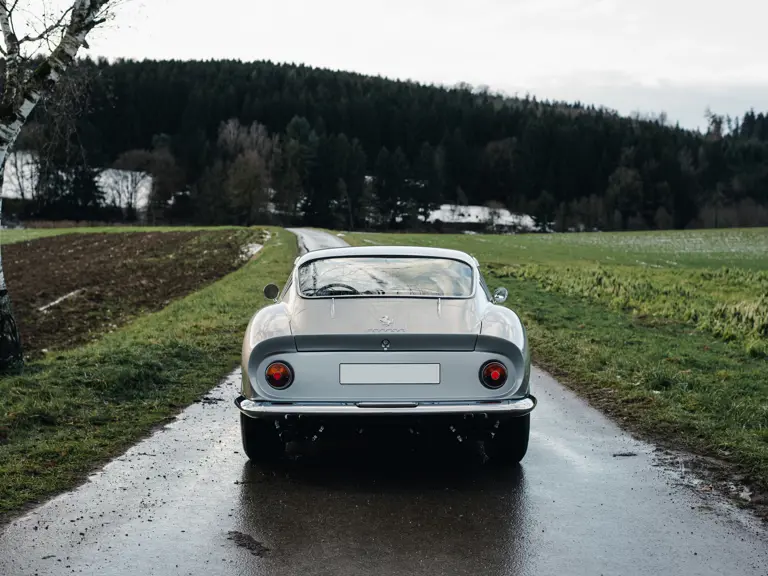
(385, 276)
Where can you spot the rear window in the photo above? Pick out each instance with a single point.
(385, 276)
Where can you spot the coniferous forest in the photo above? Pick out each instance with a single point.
(229, 142)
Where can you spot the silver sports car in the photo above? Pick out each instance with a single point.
(404, 336)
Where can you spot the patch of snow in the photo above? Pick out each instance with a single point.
(649, 265)
(59, 300)
(745, 494)
(21, 177)
(250, 250)
(478, 214)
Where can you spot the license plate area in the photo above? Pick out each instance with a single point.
(357, 374)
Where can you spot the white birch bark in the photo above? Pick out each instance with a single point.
(12, 56)
(3, 287)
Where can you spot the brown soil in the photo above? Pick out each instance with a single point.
(118, 276)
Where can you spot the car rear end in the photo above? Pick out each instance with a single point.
(464, 380)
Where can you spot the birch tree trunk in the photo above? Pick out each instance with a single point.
(21, 93)
(10, 338)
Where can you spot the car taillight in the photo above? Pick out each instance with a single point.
(493, 374)
(279, 375)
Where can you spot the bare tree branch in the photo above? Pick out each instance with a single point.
(10, 14)
(47, 32)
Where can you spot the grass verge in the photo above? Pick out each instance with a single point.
(74, 410)
(678, 386)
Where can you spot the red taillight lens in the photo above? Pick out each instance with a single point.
(279, 375)
(493, 375)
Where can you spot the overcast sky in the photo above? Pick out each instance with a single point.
(676, 56)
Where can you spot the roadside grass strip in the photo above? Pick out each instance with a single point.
(71, 411)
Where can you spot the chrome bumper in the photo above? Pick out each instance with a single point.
(254, 409)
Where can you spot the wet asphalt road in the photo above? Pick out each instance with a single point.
(186, 501)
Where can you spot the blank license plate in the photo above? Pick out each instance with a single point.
(389, 373)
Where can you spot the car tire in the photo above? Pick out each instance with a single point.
(261, 440)
(510, 441)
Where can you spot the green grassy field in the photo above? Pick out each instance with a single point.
(25, 235)
(668, 331)
(72, 410)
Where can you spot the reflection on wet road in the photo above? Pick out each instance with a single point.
(186, 501)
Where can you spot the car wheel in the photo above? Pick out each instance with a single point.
(510, 442)
(261, 440)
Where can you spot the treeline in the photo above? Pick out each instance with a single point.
(232, 142)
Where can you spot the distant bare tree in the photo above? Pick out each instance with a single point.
(248, 184)
(234, 139)
(51, 142)
(287, 175)
(53, 42)
(253, 157)
(461, 202)
(167, 179)
(24, 163)
(495, 209)
(132, 169)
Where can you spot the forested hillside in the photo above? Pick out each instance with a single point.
(225, 140)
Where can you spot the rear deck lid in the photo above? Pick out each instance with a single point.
(385, 317)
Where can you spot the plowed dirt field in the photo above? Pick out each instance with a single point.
(68, 289)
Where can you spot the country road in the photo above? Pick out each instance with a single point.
(587, 500)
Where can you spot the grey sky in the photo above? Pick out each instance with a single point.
(677, 56)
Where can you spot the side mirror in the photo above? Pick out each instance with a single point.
(271, 291)
(500, 295)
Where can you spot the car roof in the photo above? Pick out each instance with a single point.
(369, 251)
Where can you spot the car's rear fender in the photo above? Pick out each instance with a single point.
(316, 359)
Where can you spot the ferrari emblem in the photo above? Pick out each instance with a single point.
(386, 320)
